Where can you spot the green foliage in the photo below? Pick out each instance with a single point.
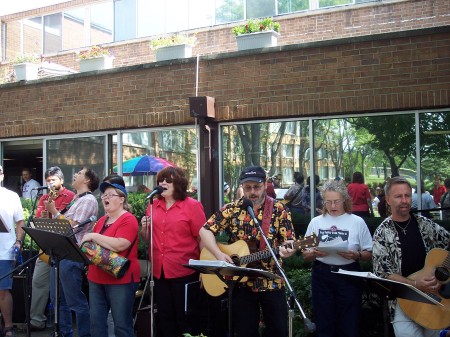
(27, 58)
(138, 204)
(27, 207)
(173, 40)
(258, 25)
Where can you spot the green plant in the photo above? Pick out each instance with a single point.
(93, 52)
(253, 26)
(173, 40)
(27, 58)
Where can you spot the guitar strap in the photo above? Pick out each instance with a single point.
(267, 216)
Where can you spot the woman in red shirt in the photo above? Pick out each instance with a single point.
(361, 198)
(117, 230)
(177, 220)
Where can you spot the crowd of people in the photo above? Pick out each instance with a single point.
(179, 228)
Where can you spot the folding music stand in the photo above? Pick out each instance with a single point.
(58, 247)
(231, 276)
(3, 228)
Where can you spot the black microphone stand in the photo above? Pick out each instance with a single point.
(310, 326)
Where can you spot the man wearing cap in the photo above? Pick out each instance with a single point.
(11, 238)
(235, 220)
(71, 297)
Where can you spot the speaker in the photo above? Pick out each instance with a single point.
(18, 294)
(202, 106)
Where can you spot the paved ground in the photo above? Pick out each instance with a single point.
(21, 332)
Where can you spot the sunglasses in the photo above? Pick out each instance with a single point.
(168, 180)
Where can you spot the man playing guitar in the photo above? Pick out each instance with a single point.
(61, 198)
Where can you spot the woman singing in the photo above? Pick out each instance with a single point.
(336, 300)
(117, 231)
(177, 220)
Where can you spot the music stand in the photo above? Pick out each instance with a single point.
(58, 247)
(231, 276)
(3, 228)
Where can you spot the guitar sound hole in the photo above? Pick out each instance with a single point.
(236, 261)
(442, 274)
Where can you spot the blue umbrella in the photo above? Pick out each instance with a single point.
(144, 165)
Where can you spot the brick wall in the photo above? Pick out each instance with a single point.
(402, 71)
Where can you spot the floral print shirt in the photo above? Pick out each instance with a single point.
(236, 222)
(387, 253)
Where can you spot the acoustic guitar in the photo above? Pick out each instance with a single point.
(432, 316)
(240, 254)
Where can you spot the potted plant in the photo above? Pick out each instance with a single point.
(95, 58)
(259, 33)
(26, 67)
(173, 46)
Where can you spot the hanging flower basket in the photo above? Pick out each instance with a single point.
(26, 71)
(173, 47)
(263, 39)
(97, 63)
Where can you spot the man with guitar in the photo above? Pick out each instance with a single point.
(402, 245)
(60, 197)
(235, 220)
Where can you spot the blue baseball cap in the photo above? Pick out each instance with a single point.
(104, 185)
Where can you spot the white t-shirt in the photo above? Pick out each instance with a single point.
(10, 212)
(348, 227)
(27, 189)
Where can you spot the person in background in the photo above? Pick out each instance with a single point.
(239, 192)
(61, 197)
(117, 230)
(71, 297)
(256, 294)
(438, 190)
(29, 188)
(11, 215)
(141, 189)
(177, 220)
(400, 245)
(226, 193)
(361, 198)
(336, 300)
(270, 190)
(306, 196)
(427, 201)
(294, 197)
(445, 200)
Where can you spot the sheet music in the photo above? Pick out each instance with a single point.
(333, 246)
(210, 263)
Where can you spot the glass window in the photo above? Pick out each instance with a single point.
(289, 6)
(260, 8)
(32, 36)
(73, 28)
(229, 11)
(124, 20)
(176, 146)
(52, 33)
(201, 13)
(331, 3)
(102, 23)
(150, 18)
(176, 20)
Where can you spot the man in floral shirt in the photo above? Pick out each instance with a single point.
(255, 293)
(400, 246)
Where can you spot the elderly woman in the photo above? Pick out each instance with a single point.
(337, 301)
(177, 220)
(117, 230)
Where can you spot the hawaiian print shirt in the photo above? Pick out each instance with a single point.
(387, 253)
(239, 225)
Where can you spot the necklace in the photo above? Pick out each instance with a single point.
(402, 228)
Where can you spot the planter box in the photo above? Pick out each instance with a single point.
(264, 39)
(26, 71)
(97, 63)
(180, 51)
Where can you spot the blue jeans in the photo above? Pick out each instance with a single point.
(117, 297)
(71, 298)
(336, 302)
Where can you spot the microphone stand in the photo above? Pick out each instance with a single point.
(310, 326)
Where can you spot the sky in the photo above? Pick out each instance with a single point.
(16, 6)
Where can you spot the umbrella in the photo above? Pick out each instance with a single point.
(144, 165)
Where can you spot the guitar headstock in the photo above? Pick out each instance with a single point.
(307, 242)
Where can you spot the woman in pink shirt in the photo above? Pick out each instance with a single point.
(359, 192)
(177, 220)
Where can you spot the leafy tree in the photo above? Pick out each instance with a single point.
(229, 11)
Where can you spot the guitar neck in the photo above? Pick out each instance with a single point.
(261, 255)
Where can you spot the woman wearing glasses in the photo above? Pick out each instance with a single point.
(176, 221)
(336, 300)
(117, 230)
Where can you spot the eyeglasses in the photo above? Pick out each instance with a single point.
(249, 188)
(168, 180)
(109, 196)
(335, 202)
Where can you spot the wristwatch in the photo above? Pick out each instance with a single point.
(20, 241)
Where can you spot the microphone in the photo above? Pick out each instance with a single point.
(248, 205)
(41, 188)
(85, 222)
(156, 190)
